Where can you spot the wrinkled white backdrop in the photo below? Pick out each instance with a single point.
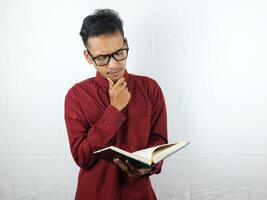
(209, 57)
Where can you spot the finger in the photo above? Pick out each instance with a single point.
(134, 171)
(122, 165)
(131, 166)
(137, 169)
(119, 82)
(126, 168)
(133, 176)
(124, 84)
(110, 82)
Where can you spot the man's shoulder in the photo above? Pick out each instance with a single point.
(86, 82)
(146, 84)
(144, 81)
(81, 85)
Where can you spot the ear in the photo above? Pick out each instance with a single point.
(87, 57)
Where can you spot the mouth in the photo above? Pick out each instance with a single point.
(115, 73)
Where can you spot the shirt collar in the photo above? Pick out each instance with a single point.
(102, 81)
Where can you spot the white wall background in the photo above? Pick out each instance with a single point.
(209, 57)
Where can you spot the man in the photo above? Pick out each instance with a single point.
(112, 108)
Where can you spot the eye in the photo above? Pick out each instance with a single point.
(120, 52)
(101, 58)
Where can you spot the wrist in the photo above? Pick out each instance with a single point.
(115, 106)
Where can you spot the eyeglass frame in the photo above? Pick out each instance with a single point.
(109, 55)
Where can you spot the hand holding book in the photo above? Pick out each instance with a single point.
(130, 169)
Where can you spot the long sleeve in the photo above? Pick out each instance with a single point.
(84, 138)
(158, 133)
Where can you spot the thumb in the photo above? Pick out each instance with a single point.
(110, 83)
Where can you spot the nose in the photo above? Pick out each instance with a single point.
(113, 63)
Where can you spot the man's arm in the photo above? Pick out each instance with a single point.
(158, 133)
(85, 139)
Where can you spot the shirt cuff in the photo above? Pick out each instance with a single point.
(156, 169)
(113, 115)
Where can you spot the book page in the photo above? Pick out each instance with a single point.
(146, 153)
(165, 151)
(149, 152)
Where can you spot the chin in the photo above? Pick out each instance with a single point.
(114, 78)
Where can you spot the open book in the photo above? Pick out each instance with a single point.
(141, 158)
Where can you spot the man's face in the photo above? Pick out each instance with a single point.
(107, 44)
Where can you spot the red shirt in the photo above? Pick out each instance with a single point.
(92, 123)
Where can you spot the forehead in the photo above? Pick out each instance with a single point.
(105, 44)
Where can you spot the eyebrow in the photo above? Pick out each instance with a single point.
(110, 53)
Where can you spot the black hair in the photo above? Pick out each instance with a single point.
(101, 21)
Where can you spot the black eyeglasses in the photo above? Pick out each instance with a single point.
(103, 60)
